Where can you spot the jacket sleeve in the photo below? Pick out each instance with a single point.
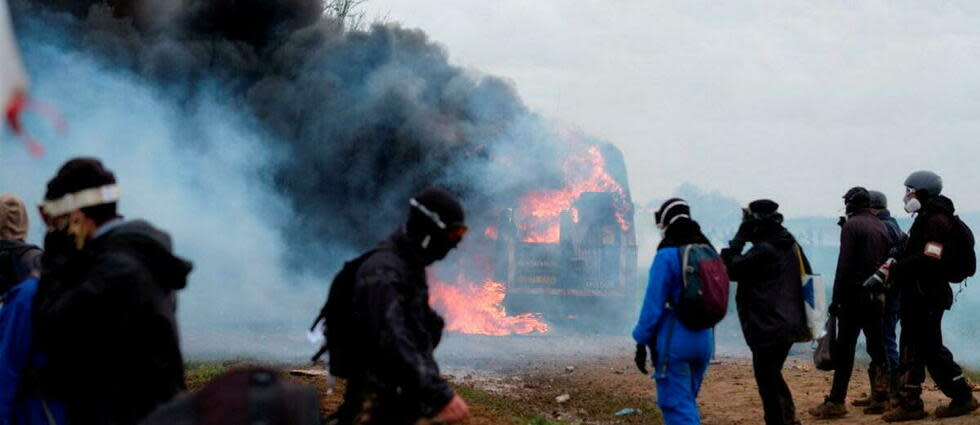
(749, 266)
(413, 365)
(15, 346)
(844, 278)
(79, 312)
(662, 273)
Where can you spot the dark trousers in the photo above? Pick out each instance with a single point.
(777, 401)
(889, 327)
(922, 348)
(850, 323)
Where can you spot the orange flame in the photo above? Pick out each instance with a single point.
(540, 210)
(472, 308)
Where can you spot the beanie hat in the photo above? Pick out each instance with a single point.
(76, 175)
(672, 210)
(878, 200)
(80, 183)
(857, 198)
(763, 207)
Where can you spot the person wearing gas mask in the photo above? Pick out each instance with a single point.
(922, 273)
(896, 239)
(399, 381)
(106, 304)
(769, 299)
(864, 246)
(680, 354)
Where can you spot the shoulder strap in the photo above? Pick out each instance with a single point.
(799, 259)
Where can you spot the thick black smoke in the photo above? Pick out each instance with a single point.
(368, 117)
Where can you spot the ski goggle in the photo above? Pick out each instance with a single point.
(456, 232)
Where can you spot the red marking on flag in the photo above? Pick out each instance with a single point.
(20, 103)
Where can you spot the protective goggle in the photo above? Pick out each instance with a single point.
(456, 232)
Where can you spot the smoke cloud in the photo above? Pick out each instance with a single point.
(271, 142)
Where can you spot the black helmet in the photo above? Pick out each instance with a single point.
(925, 183)
(878, 200)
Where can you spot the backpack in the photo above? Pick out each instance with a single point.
(246, 396)
(337, 319)
(704, 297)
(13, 268)
(961, 258)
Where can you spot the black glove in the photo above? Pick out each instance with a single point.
(741, 236)
(641, 358)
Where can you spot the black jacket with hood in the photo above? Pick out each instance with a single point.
(769, 297)
(920, 278)
(399, 330)
(107, 322)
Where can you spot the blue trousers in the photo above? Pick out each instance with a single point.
(678, 383)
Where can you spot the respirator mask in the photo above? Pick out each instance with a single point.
(912, 203)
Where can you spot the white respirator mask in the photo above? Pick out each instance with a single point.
(912, 204)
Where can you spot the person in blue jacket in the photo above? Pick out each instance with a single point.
(21, 400)
(680, 355)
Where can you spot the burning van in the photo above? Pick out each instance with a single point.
(571, 253)
(559, 255)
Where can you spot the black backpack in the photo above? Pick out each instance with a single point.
(13, 267)
(337, 315)
(961, 258)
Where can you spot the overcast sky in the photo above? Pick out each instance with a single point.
(791, 100)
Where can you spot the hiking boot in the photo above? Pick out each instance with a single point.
(902, 414)
(957, 408)
(864, 401)
(829, 410)
(876, 407)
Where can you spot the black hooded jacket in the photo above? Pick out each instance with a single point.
(921, 278)
(769, 297)
(399, 329)
(107, 322)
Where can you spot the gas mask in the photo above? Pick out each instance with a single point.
(912, 203)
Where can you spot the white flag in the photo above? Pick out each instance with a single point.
(13, 81)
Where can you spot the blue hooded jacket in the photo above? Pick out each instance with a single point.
(16, 354)
(658, 327)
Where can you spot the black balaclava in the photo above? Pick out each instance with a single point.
(435, 223)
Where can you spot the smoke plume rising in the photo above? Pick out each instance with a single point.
(272, 142)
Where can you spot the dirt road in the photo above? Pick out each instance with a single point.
(598, 380)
